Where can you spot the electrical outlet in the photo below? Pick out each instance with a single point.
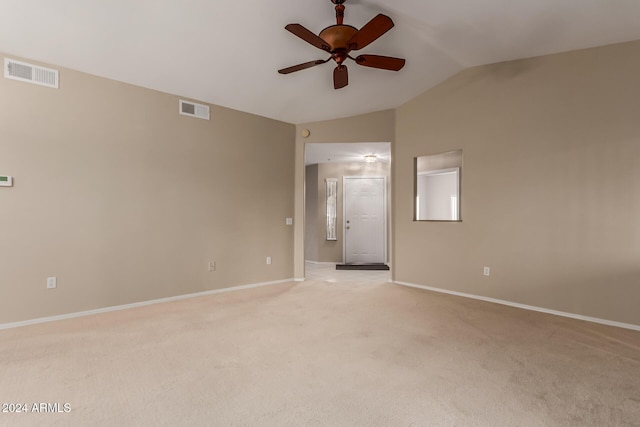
(52, 282)
(486, 271)
(212, 266)
(268, 260)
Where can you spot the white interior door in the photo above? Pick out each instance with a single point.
(365, 230)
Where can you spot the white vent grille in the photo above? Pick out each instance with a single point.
(30, 73)
(188, 108)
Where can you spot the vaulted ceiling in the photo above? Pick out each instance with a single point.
(228, 52)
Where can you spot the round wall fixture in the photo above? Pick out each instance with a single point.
(305, 133)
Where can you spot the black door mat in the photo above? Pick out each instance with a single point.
(362, 267)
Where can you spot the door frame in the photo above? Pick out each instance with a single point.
(385, 208)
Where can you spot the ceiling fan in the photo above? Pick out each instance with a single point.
(340, 39)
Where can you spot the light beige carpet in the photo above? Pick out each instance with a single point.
(323, 353)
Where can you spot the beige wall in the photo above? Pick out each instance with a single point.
(550, 196)
(372, 127)
(124, 200)
(317, 247)
(550, 184)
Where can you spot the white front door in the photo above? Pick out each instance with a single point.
(365, 227)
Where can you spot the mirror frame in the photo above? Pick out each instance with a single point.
(446, 168)
(331, 186)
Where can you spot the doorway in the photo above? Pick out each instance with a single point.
(347, 165)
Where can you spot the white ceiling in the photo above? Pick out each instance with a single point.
(228, 52)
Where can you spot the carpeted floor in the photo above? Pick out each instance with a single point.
(325, 352)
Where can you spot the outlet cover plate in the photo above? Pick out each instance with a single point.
(52, 282)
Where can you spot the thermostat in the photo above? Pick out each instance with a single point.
(6, 181)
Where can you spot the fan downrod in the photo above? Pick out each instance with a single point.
(339, 10)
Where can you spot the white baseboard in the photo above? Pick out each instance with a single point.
(299, 279)
(524, 306)
(138, 304)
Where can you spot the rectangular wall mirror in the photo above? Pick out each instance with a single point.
(332, 208)
(437, 187)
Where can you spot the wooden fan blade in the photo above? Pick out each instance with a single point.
(308, 36)
(340, 77)
(384, 62)
(302, 66)
(370, 32)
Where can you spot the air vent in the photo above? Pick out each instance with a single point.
(192, 109)
(30, 73)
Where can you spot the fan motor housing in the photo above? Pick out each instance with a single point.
(338, 36)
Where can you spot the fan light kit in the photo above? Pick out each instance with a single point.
(340, 39)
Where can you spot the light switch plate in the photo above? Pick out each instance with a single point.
(289, 221)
